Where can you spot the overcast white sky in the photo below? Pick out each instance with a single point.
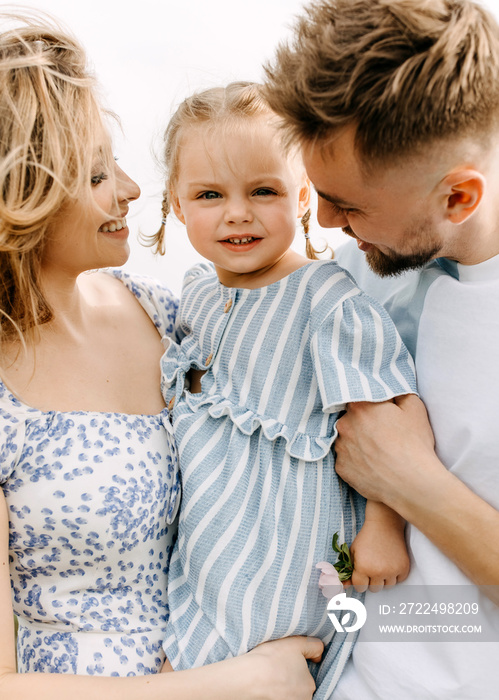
(148, 55)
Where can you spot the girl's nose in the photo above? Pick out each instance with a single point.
(237, 212)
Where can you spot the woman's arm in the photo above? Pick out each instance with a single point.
(386, 452)
(273, 671)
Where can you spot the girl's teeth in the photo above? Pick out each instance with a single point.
(237, 241)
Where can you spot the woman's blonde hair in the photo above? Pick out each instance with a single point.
(50, 131)
(214, 107)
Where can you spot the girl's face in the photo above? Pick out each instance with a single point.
(239, 197)
(92, 232)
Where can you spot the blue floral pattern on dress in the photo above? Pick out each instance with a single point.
(92, 501)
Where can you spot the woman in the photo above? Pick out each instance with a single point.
(89, 481)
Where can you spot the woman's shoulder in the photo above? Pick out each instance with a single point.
(159, 302)
(142, 285)
(13, 417)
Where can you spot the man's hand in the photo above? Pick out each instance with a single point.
(377, 442)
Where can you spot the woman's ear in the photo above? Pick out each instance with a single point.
(463, 191)
(175, 205)
(304, 195)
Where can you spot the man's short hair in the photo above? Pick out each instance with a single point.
(405, 72)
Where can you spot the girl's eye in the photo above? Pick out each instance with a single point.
(209, 195)
(263, 192)
(97, 179)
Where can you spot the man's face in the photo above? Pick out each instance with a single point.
(391, 212)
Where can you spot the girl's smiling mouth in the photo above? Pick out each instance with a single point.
(240, 242)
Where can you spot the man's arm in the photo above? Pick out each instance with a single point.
(386, 452)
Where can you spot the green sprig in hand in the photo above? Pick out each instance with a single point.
(333, 575)
(344, 565)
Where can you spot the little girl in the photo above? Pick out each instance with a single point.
(274, 348)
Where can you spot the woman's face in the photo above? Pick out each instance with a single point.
(92, 232)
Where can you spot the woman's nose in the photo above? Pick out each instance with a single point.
(126, 188)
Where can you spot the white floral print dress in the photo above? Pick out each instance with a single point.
(92, 500)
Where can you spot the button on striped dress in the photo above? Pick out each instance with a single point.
(261, 499)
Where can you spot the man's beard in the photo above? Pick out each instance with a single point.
(387, 265)
(394, 264)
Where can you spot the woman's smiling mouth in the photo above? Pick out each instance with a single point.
(112, 226)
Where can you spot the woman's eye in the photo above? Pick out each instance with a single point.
(97, 179)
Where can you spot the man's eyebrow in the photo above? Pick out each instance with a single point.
(343, 203)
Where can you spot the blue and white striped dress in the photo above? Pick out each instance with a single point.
(261, 499)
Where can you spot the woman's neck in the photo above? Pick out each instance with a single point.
(70, 298)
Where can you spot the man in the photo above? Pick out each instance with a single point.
(396, 106)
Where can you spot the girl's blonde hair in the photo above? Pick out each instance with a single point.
(51, 129)
(215, 106)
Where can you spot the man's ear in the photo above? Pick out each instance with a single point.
(463, 191)
(175, 205)
(304, 196)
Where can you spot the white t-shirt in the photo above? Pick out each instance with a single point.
(448, 315)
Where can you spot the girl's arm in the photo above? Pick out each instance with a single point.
(386, 452)
(273, 671)
(379, 552)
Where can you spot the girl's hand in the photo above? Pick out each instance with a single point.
(279, 669)
(380, 556)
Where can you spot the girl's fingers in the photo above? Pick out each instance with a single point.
(360, 581)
